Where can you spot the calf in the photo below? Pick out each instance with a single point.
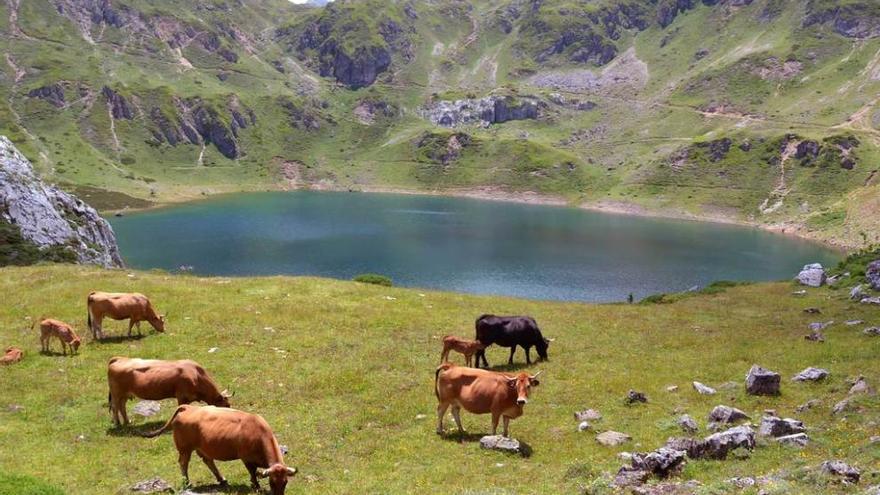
(133, 307)
(461, 346)
(481, 392)
(222, 434)
(510, 331)
(66, 335)
(153, 379)
(12, 356)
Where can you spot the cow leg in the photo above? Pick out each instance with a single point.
(213, 467)
(138, 324)
(456, 415)
(528, 358)
(495, 417)
(252, 470)
(63, 348)
(130, 325)
(512, 350)
(441, 411)
(468, 360)
(506, 422)
(120, 406)
(183, 460)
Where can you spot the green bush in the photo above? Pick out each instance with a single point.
(857, 263)
(16, 250)
(13, 484)
(654, 299)
(372, 278)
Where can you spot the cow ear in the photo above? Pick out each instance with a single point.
(511, 382)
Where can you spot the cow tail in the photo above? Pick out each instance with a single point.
(442, 367)
(162, 430)
(110, 400)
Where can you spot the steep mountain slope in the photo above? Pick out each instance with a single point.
(759, 111)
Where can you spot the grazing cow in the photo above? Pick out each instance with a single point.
(133, 307)
(510, 331)
(222, 434)
(54, 328)
(481, 392)
(153, 379)
(462, 346)
(12, 356)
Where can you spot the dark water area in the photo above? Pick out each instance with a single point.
(457, 244)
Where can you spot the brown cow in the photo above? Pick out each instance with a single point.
(153, 379)
(134, 307)
(12, 356)
(222, 434)
(462, 346)
(481, 391)
(54, 328)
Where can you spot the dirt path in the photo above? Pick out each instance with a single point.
(777, 196)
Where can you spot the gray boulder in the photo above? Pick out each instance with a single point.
(146, 408)
(852, 323)
(49, 217)
(719, 445)
(872, 331)
(860, 386)
(761, 381)
(661, 463)
(628, 477)
(813, 275)
(633, 397)
(501, 443)
(857, 293)
(688, 424)
(693, 447)
(820, 325)
(872, 273)
(612, 438)
(703, 389)
(796, 440)
(811, 375)
(842, 406)
(588, 415)
(726, 415)
(842, 470)
(815, 336)
(772, 426)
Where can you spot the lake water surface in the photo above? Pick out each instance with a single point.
(456, 244)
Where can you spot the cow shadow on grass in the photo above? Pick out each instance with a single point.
(117, 339)
(215, 488)
(138, 430)
(510, 368)
(56, 354)
(525, 449)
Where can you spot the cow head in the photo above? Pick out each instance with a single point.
(75, 344)
(522, 383)
(222, 400)
(541, 347)
(159, 324)
(277, 474)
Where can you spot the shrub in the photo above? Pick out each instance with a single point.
(857, 263)
(372, 278)
(16, 250)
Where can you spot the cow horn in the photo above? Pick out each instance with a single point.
(291, 471)
(552, 340)
(227, 394)
(262, 472)
(536, 375)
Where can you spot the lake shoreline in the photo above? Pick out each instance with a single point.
(531, 198)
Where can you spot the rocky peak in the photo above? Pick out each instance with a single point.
(50, 218)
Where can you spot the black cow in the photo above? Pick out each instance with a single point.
(510, 331)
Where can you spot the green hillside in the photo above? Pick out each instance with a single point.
(163, 101)
(344, 373)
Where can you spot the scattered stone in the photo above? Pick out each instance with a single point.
(584, 426)
(872, 273)
(688, 424)
(213, 350)
(871, 300)
(632, 397)
(502, 444)
(840, 469)
(627, 476)
(813, 311)
(815, 336)
(155, 485)
(719, 445)
(796, 440)
(874, 440)
(14, 408)
(813, 275)
(421, 416)
(842, 406)
(703, 389)
(806, 406)
(672, 388)
(146, 408)
(662, 463)
(727, 415)
(742, 482)
(857, 293)
(811, 375)
(761, 381)
(612, 438)
(872, 331)
(801, 292)
(772, 426)
(852, 323)
(588, 415)
(694, 448)
(818, 326)
(860, 386)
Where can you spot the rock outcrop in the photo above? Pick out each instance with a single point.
(480, 111)
(872, 273)
(812, 275)
(761, 381)
(52, 93)
(50, 218)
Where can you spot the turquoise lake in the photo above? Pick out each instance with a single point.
(456, 244)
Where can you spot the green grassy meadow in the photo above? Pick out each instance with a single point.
(343, 372)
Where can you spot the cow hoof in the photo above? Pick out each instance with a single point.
(224, 483)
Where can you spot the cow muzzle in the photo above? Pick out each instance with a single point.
(521, 401)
